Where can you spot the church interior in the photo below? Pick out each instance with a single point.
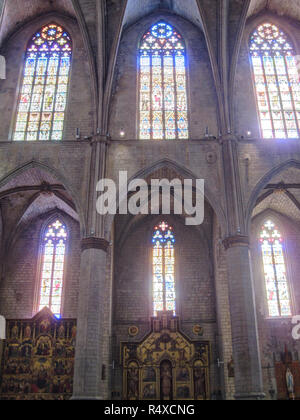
(144, 307)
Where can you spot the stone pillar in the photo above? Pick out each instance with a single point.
(246, 354)
(2, 338)
(2, 67)
(2, 4)
(91, 320)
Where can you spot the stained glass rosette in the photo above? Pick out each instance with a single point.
(164, 294)
(43, 96)
(277, 288)
(277, 82)
(163, 97)
(53, 268)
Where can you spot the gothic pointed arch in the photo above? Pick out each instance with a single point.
(163, 106)
(275, 272)
(163, 260)
(43, 95)
(52, 266)
(276, 82)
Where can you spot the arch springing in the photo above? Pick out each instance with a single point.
(163, 93)
(276, 81)
(164, 293)
(277, 287)
(43, 95)
(53, 265)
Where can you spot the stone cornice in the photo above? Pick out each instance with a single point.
(237, 240)
(94, 243)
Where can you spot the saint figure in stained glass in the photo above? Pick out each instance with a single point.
(164, 294)
(277, 287)
(53, 264)
(163, 95)
(43, 95)
(276, 81)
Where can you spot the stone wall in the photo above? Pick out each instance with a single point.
(80, 89)
(195, 287)
(276, 334)
(201, 265)
(201, 92)
(245, 108)
(19, 286)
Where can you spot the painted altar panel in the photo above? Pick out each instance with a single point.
(166, 365)
(38, 359)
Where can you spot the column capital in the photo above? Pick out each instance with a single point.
(94, 243)
(235, 241)
(228, 138)
(100, 138)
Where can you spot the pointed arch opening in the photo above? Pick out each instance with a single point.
(275, 273)
(43, 94)
(276, 81)
(54, 242)
(163, 259)
(163, 108)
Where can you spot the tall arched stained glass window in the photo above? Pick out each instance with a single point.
(277, 82)
(43, 96)
(277, 287)
(54, 249)
(164, 293)
(163, 92)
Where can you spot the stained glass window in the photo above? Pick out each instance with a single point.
(163, 93)
(277, 82)
(54, 248)
(164, 293)
(43, 96)
(277, 287)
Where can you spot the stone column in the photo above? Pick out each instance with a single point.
(91, 320)
(2, 60)
(2, 338)
(246, 354)
(2, 67)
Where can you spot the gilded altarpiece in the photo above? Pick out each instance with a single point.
(166, 365)
(38, 359)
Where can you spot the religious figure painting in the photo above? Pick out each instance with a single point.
(166, 381)
(39, 359)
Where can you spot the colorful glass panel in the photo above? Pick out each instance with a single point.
(163, 94)
(43, 96)
(54, 249)
(164, 294)
(277, 288)
(277, 82)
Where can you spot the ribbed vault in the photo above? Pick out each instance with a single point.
(282, 195)
(282, 8)
(136, 9)
(18, 12)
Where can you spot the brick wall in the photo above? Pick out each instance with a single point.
(275, 334)
(80, 89)
(195, 288)
(200, 87)
(18, 287)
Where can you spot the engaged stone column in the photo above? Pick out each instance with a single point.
(89, 343)
(247, 363)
